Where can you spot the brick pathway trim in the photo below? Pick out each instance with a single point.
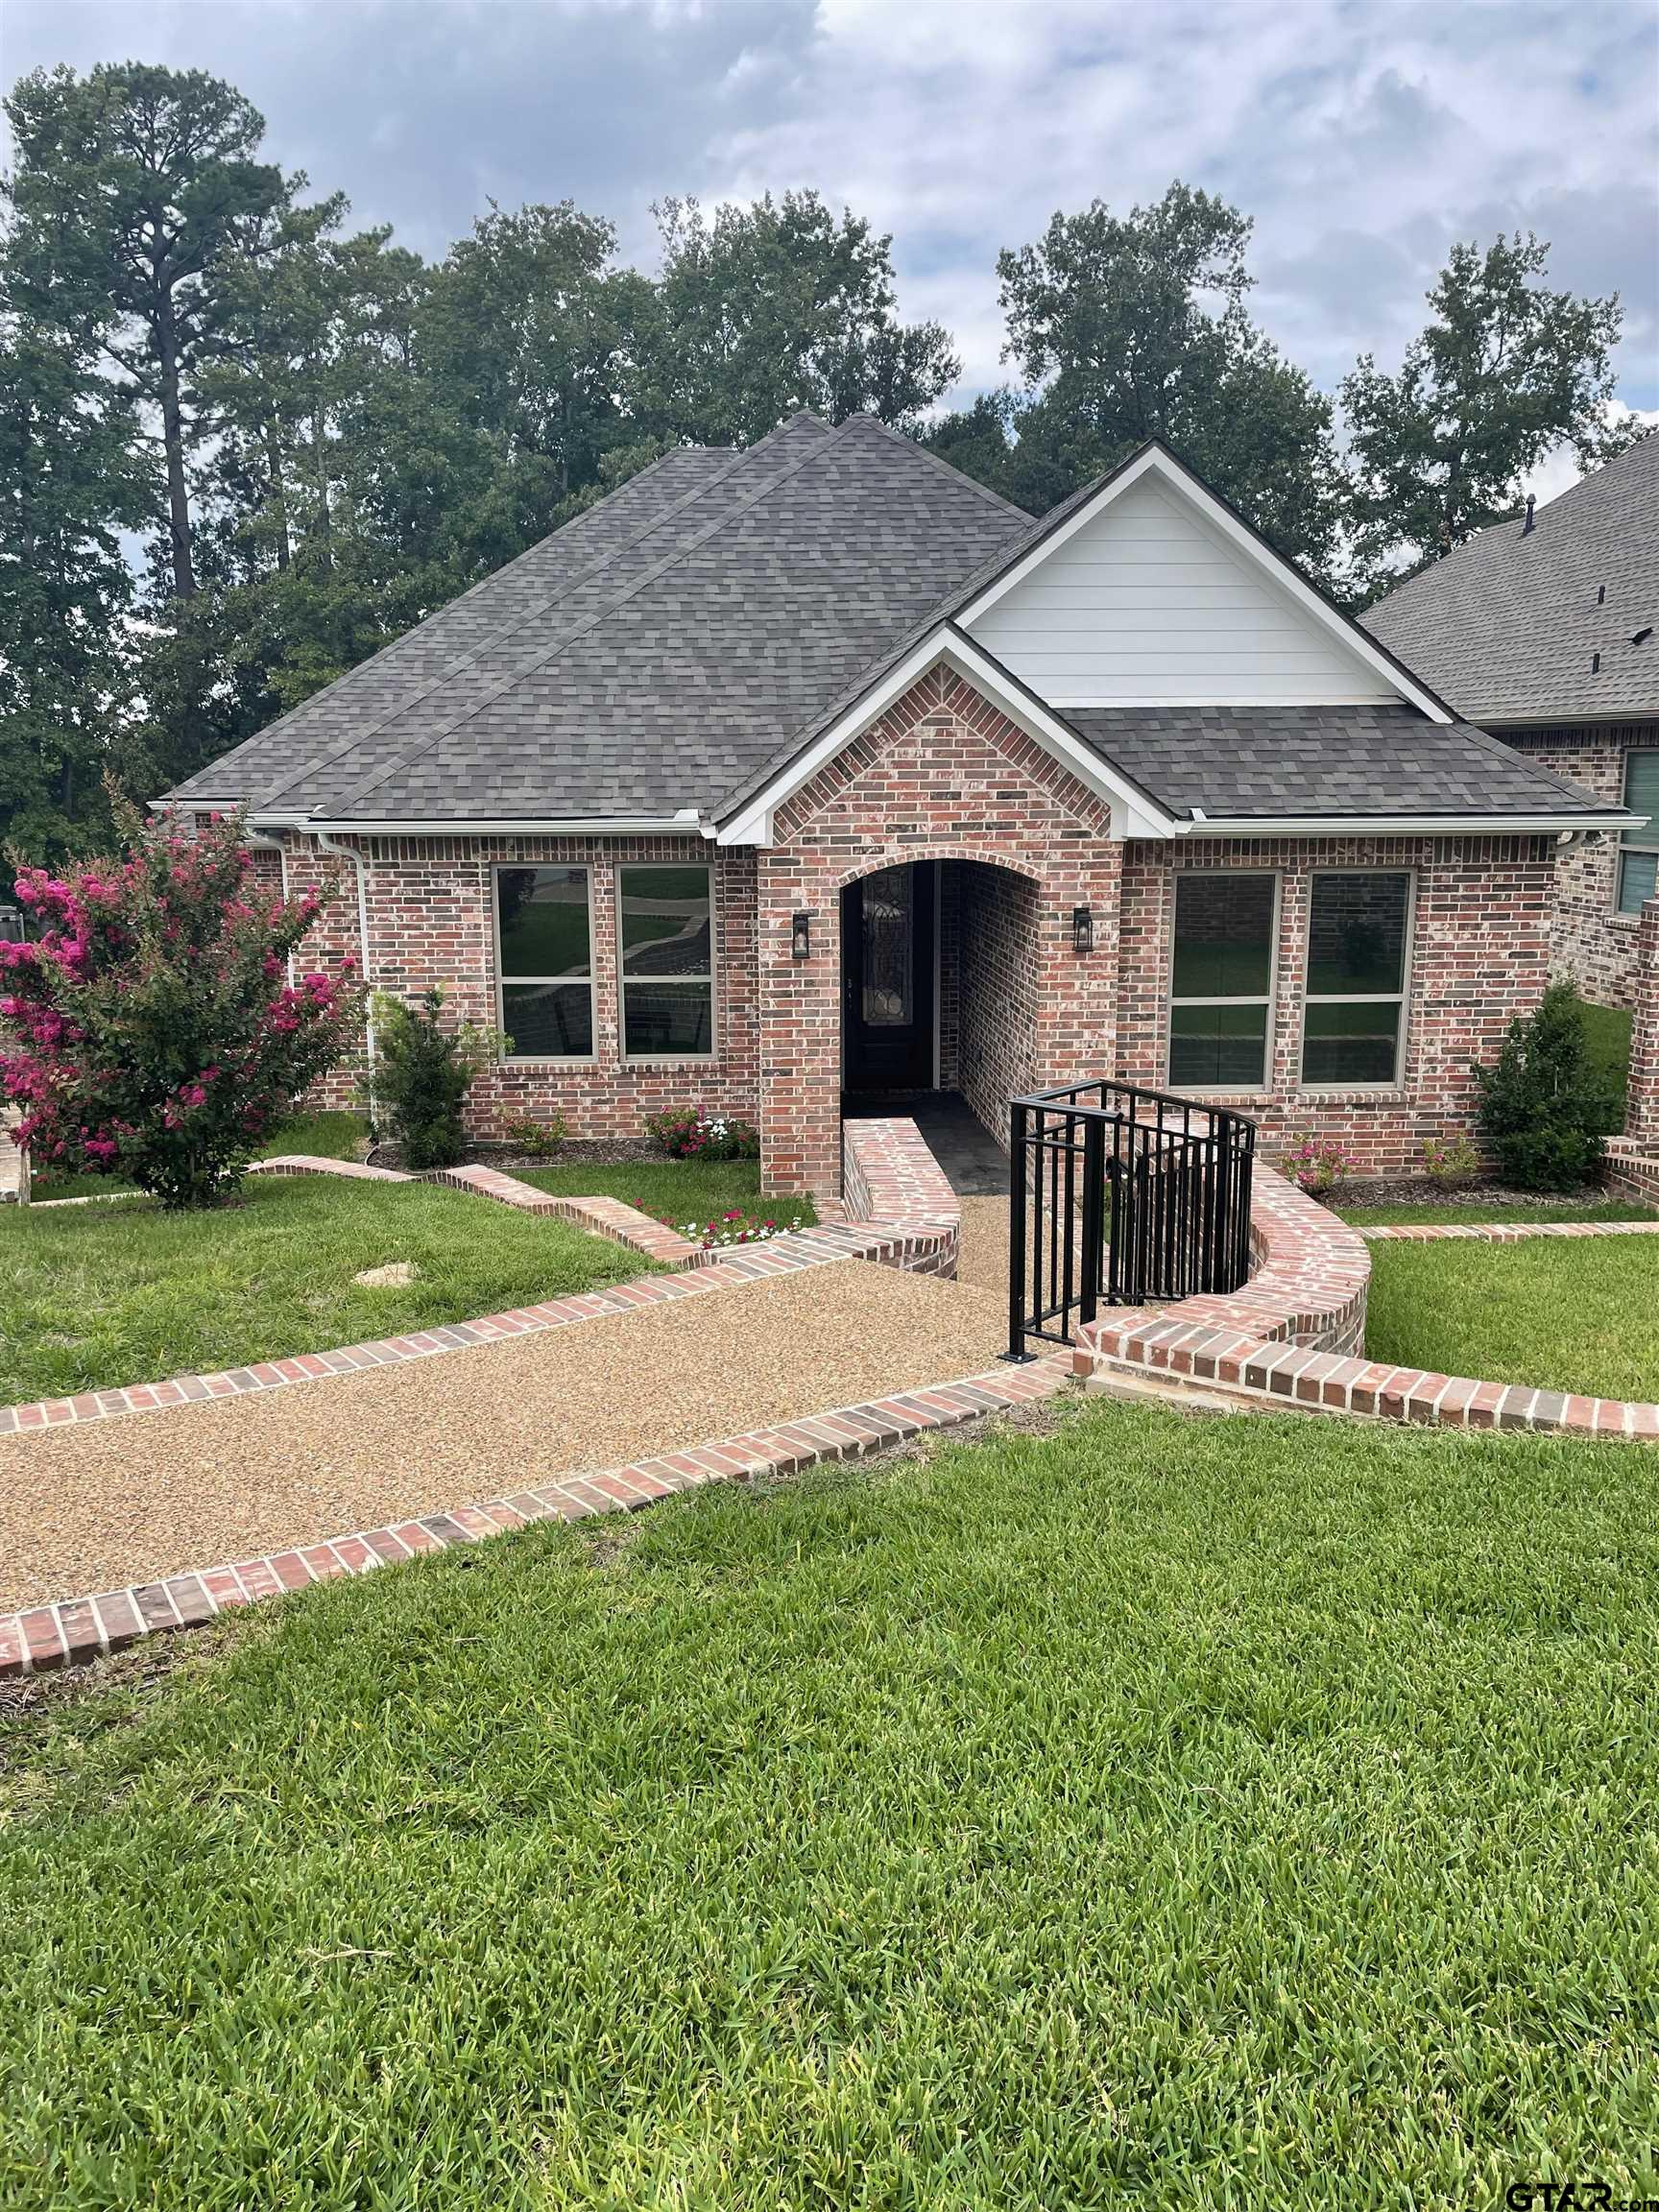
(1497, 1232)
(78, 1629)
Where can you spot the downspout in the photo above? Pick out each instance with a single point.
(327, 844)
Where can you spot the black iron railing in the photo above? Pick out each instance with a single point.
(1120, 1197)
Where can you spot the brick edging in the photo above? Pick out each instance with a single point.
(78, 1629)
(1331, 1382)
(1497, 1232)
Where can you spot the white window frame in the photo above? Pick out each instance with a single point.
(503, 980)
(1401, 998)
(1645, 840)
(669, 1059)
(1269, 1033)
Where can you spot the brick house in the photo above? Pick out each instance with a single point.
(1542, 630)
(815, 770)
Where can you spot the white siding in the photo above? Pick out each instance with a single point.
(1146, 604)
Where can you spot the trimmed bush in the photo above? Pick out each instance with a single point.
(151, 1030)
(1543, 1103)
(424, 1075)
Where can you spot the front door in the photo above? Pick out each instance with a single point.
(887, 979)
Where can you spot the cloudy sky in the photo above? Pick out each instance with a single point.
(1362, 138)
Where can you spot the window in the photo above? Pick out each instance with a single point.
(546, 964)
(667, 958)
(1357, 930)
(1222, 986)
(1639, 852)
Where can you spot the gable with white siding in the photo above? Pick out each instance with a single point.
(1147, 601)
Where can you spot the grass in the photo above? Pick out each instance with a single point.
(96, 1296)
(331, 1136)
(1607, 1038)
(1452, 1209)
(683, 1189)
(1206, 1813)
(1572, 1316)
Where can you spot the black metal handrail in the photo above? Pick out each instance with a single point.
(1120, 1197)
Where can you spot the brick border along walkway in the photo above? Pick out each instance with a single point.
(888, 1164)
(1310, 1355)
(1497, 1232)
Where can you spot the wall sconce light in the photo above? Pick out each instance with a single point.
(1082, 929)
(801, 937)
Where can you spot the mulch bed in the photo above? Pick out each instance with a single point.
(1419, 1190)
(574, 1152)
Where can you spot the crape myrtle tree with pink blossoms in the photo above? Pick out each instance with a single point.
(150, 1029)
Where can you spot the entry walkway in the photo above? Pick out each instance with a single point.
(975, 1164)
(109, 1504)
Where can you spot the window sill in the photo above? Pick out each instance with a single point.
(547, 1060)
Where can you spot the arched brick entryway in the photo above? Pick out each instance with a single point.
(942, 777)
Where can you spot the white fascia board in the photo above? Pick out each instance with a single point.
(1133, 813)
(1401, 825)
(589, 825)
(1279, 573)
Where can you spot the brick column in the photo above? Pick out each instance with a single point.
(1642, 1111)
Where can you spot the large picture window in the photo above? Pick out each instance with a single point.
(545, 935)
(1357, 931)
(1639, 853)
(1222, 990)
(665, 931)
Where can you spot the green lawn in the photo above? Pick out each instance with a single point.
(1190, 1814)
(1581, 1208)
(95, 1296)
(1607, 1036)
(1573, 1316)
(684, 1190)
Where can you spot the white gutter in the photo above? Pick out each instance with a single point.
(350, 852)
(683, 825)
(1404, 825)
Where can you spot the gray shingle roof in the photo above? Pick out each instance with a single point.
(1507, 627)
(678, 643)
(1293, 761)
(640, 662)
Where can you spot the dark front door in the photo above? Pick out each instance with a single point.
(887, 979)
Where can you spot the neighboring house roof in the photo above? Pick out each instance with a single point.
(1281, 763)
(676, 652)
(1508, 626)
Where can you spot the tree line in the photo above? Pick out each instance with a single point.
(242, 445)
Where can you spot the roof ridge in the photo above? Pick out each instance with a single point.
(453, 666)
(938, 460)
(361, 790)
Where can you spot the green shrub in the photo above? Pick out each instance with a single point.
(425, 1073)
(541, 1140)
(1542, 1102)
(1451, 1163)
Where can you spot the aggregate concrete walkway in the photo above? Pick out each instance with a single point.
(119, 1502)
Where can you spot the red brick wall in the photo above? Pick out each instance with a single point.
(431, 919)
(998, 989)
(1592, 943)
(1481, 955)
(942, 776)
(1642, 1105)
